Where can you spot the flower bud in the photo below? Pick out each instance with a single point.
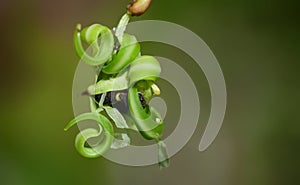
(138, 7)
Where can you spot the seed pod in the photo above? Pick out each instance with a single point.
(138, 7)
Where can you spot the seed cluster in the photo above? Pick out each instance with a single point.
(118, 99)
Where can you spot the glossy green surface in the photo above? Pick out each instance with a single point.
(91, 35)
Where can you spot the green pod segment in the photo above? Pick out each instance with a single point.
(129, 50)
(105, 128)
(112, 84)
(144, 68)
(101, 40)
(148, 122)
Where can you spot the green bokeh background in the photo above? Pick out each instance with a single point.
(256, 43)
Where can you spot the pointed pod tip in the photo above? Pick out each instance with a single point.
(164, 164)
(67, 127)
(78, 27)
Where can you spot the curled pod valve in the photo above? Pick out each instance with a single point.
(148, 121)
(105, 128)
(100, 38)
(129, 50)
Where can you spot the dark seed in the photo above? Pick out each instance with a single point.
(110, 100)
(97, 97)
(107, 100)
(142, 100)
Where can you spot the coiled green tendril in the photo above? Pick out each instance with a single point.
(123, 69)
(104, 124)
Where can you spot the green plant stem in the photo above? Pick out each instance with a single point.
(122, 27)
